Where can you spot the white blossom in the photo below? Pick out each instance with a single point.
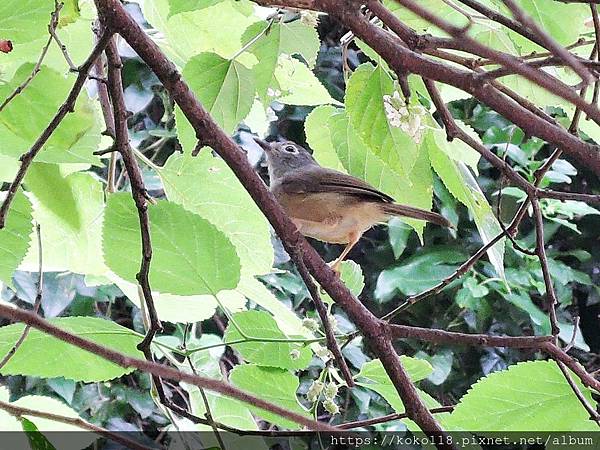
(273, 92)
(331, 390)
(314, 391)
(408, 118)
(331, 407)
(310, 324)
(323, 353)
(309, 18)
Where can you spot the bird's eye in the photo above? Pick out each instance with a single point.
(290, 149)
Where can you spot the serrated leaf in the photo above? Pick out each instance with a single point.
(291, 38)
(45, 356)
(14, 237)
(24, 20)
(352, 276)
(299, 85)
(286, 319)
(225, 88)
(76, 439)
(206, 186)
(179, 6)
(373, 376)
(417, 273)
(8, 168)
(73, 141)
(365, 108)
(53, 191)
(217, 28)
(274, 385)
(463, 186)
(529, 396)
(552, 18)
(200, 260)
(319, 137)
(439, 7)
(37, 440)
(259, 324)
(358, 159)
(180, 308)
(65, 247)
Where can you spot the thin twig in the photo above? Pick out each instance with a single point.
(38, 65)
(549, 42)
(138, 190)
(388, 418)
(36, 304)
(160, 370)
(54, 35)
(322, 311)
(67, 107)
(584, 402)
(552, 301)
(19, 412)
(208, 413)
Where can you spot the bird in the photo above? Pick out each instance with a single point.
(329, 205)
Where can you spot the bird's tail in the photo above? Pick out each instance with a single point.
(395, 209)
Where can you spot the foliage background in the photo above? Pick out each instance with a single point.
(394, 262)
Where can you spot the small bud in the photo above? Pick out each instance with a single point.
(332, 321)
(314, 391)
(310, 324)
(331, 407)
(331, 390)
(323, 353)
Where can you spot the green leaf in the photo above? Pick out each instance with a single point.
(45, 356)
(37, 440)
(259, 324)
(274, 385)
(218, 28)
(179, 6)
(373, 376)
(14, 237)
(418, 273)
(65, 247)
(225, 88)
(286, 318)
(76, 438)
(319, 137)
(73, 141)
(552, 18)
(352, 276)
(439, 7)
(298, 84)
(54, 193)
(8, 168)
(463, 186)
(290, 38)
(24, 20)
(206, 186)
(358, 159)
(183, 309)
(200, 260)
(365, 107)
(529, 396)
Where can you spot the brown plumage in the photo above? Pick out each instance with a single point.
(328, 205)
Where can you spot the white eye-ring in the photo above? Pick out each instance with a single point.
(290, 149)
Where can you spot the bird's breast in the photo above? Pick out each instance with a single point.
(330, 217)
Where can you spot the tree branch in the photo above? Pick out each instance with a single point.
(113, 15)
(160, 370)
(18, 412)
(67, 107)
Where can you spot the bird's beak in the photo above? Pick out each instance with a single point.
(263, 144)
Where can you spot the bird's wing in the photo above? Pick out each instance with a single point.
(322, 180)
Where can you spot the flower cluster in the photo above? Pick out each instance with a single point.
(309, 18)
(406, 117)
